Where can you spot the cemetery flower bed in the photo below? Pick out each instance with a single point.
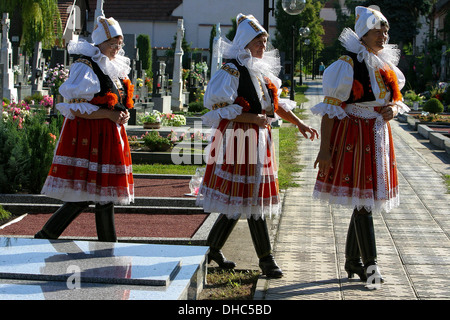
(155, 119)
(432, 118)
(27, 142)
(153, 141)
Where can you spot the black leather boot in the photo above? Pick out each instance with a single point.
(353, 262)
(60, 220)
(261, 242)
(217, 238)
(104, 222)
(365, 234)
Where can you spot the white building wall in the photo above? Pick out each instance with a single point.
(200, 15)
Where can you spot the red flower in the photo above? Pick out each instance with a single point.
(243, 103)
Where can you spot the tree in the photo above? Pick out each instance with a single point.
(287, 24)
(145, 52)
(40, 22)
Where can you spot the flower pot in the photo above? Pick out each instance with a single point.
(148, 125)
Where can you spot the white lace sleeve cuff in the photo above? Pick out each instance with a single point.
(213, 117)
(287, 104)
(401, 107)
(331, 109)
(83, 107)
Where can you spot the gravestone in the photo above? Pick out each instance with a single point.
(99, 9)
(38, 64)
(162, 102)
(59, 56)
(1, 80)
(177, 83)
(23, 89)
(216, 60)
(9, 91)
(131, 51)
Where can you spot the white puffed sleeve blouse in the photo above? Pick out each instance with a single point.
(220, 96)
(82, 84)
(337, 86)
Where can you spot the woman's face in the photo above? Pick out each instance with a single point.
(111, 47)
(257, 46)
(376, 38)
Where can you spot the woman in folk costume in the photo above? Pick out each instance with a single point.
(92, 162)
(356, 160)
(241, 173)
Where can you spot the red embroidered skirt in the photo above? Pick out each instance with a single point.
(241, 174)
(364, 170)
(92, 162)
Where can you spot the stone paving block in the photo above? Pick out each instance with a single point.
(358, 291)
(422, 239)
(312, 290)
(432, 286)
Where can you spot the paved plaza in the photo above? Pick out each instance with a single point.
(412, 241)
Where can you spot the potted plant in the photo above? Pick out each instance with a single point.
(155, 142)
(414, 98)
(151, 120)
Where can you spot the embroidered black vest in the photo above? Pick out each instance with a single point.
(107, 85)
(361, 73)
(246, 89)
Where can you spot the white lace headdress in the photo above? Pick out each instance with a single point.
(248, 29)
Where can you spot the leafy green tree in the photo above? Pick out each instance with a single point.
(40, 21)
(145, 52)
(287, 24)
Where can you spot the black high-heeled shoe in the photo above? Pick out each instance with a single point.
(218, 257)
(355, 267)
(269, 267)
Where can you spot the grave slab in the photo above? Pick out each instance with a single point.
(39, 269)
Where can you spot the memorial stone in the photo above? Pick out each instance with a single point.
(177, 83)
(38, 64)
(9, 91)
(216, 60)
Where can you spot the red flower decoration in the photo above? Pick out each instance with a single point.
(109, 99)
(274, 90)
(129, 103)
(243, 103)
(390, 79)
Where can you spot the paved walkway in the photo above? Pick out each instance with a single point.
(413, 240)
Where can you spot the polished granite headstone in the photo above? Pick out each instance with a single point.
(61, 269)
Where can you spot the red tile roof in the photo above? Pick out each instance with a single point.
(137, 10)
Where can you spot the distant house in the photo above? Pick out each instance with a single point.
(158, 19)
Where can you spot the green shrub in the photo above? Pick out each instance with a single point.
(26, 153)
(4, 214)
(433, 106)
(196, 106)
